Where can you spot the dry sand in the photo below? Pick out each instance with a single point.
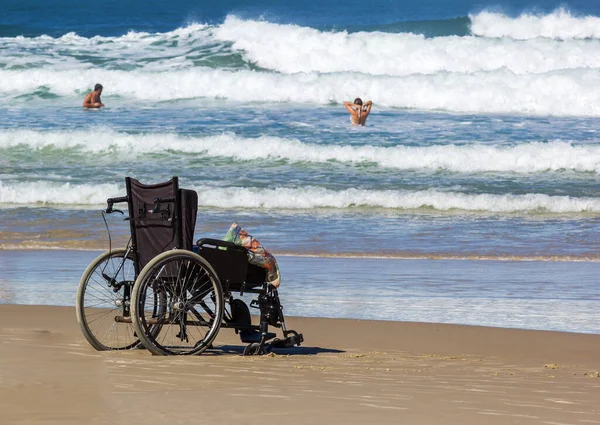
(346, 372)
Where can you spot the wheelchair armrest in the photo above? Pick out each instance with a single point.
(219, 243)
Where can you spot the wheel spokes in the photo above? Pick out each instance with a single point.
(104, 300)
(190, 305)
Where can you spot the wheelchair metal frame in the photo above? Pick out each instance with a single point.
(121, 308)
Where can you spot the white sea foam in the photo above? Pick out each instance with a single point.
(158, 51)
(564, 93)
(45, 193)
(538, 75)
(291, 49)
(559, 24)
(312, 197)
(530, 157)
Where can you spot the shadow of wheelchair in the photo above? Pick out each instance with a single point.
(292, 351)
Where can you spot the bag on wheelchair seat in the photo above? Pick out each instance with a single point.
(257, 254)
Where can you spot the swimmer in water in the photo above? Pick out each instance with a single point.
(92, 99)
(358, 111)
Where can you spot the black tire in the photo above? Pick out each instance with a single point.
(103, 296)
(188, 315)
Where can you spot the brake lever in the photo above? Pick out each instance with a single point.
(111, 210)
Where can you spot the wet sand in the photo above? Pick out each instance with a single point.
(347, 372)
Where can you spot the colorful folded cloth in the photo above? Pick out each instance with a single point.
(257, 254)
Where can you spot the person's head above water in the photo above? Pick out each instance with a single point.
(358, 101)
(98, 87)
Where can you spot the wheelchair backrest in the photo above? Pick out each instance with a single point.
(162, 217)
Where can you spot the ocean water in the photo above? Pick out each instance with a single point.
(481, 156)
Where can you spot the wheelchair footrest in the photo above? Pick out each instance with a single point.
(288, 341)
(254, 336)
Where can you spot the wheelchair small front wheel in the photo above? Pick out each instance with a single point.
(252, 349)
(189, 311)
(103, 300)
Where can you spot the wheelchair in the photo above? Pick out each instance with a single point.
(164, 293)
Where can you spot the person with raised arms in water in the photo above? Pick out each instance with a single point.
(92, 99)
(358, 111)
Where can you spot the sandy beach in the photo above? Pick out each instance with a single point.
(346, 372)
(442, 261)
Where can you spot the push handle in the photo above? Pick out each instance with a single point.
(111, 201)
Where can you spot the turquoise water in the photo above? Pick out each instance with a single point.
(482, 144)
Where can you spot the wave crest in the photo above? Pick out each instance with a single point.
(573, 93)
(560, 24)
(530, 157)
(291, 49)
(308, 198)
(508, 68)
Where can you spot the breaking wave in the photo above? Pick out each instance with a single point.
(560, 24)
(307, 198)
(506, 66)
(529, 157)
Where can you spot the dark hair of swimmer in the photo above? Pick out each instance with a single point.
(98, 87)
(358, 101)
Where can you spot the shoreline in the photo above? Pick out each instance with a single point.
(350, 256)
(414, 337)
(379, 322)
(502, 294)
(346, 371)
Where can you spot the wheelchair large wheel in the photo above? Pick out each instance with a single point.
(103, 299)
(193, 299)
